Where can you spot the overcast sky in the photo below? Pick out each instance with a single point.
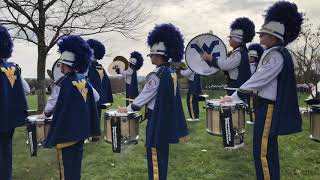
(190, 16)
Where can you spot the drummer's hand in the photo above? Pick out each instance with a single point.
(205, 56)
(122, 109)
(226, 99)
(43, 115)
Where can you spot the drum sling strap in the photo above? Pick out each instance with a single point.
(32, 138)
(116, 134)
(227, 127)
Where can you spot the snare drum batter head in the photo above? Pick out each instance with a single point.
(204, 43)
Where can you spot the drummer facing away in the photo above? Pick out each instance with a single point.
(72, 103)
(13, 111)
(236, 66)
(277, 111)
(166, 122)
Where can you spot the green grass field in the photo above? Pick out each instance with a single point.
(300, 156)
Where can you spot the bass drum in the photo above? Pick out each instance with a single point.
(204, 43)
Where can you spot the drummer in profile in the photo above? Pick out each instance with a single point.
(72, 103)
(236, 65)
(135, 63)
(194, 91)
(13, 102)
(277, 110)
(166, 120)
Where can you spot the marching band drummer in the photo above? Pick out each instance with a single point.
(277, 110)
(98, 76)
(166, 121)
(72, 103)
(12, 100)
(237, 63)
(255, 53)
(135, 63)
(194, 91)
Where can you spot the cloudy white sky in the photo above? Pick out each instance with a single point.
(190, 16)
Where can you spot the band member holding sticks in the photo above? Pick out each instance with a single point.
(135, 63)
(194, 91)
(255, 53)
(72, 103)
(237, 63)
(166, 120)
(13, 89)
(277, 111)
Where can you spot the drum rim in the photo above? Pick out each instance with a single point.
(185, 51)
(117, 115)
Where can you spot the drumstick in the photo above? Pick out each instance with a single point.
(232, 89)
(221, 109)
(128, 99)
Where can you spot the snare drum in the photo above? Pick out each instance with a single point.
(129, 126)
(315, 122)
(37, 131)
(41, 125)
(213, 115)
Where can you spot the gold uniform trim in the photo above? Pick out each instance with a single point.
(155, 164)
(60, 160)
(191, 106)
(252, 108)
(264, 143)
(81, 86)
(101, 74)
(10, 74)
(175, 82)
(67, 144)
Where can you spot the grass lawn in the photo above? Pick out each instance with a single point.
(300, 156)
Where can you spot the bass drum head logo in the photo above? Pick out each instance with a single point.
(204, 43)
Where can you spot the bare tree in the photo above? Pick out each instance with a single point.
(43, 22)
(307, 54)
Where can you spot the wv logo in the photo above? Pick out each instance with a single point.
(206, 49)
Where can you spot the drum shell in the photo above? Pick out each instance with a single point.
(42, 129)
(213, 118)
(315, 122)
(129, 127)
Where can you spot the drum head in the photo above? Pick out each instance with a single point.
(204, 43)
(56, 71)
(114, 65)
(37, 117)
